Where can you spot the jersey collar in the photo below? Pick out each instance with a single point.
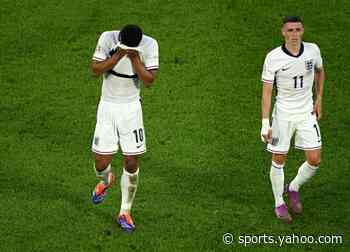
(285, 50)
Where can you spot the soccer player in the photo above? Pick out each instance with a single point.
(292, 68)
(124, 58)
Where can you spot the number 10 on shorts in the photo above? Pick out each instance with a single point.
(138, 135)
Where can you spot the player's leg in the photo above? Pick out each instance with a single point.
(133, 144)
(277, 183)
(104, 145)
(307, 170)
(103, 168)
(128, 183)
(307, 138)
(277, 177)
(282, 132)
(104, 173)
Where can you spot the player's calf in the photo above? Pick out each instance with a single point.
(128, 184)
(305, 172)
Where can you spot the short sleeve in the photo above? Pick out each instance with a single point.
(151, 57)
(268, 75)
(101, 52)
(318, 59)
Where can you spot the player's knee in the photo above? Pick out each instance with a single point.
(101, 165)
(279, 159)
(102, 162)
(130, 164)
(314, 160)
(313, 157)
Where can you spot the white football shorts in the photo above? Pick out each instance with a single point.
(119, 125)
(307, 135)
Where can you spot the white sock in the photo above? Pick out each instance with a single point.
(103, 175)
(277, 183)
(305, 172)
(128, 184)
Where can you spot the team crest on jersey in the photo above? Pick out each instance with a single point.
(309, 65)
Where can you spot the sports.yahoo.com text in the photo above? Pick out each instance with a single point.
(280, 240)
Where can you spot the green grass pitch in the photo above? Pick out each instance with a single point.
(206, 170)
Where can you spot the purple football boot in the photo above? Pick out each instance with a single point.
(126, 223)
(283, 214)
(294, 200)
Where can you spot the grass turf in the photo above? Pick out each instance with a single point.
(206, 172)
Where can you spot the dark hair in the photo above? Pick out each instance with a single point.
(130, 35)
(292, 19)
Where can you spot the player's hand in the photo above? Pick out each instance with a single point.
(117, 53)
(266, 132)
(121, 52)
(132, 54)
(318, 109)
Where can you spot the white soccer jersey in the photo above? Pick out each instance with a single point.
(294, 78)
(120, 89)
